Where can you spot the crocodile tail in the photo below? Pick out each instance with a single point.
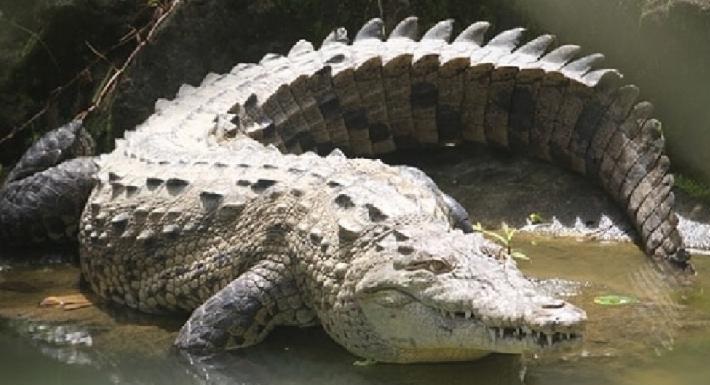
(381, 93)
(66, 142)
(374, 95)
(44, 195)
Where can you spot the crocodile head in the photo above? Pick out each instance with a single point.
(428, 293)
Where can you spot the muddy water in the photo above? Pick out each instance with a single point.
(662, 339)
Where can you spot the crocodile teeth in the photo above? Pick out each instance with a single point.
(549, 339)
(468, 314)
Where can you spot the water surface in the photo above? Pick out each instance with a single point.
(662, 339)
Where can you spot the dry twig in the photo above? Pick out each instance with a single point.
(162, 11)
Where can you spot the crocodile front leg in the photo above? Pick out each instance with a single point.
(245, 311)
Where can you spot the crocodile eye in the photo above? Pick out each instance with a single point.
(436, 266)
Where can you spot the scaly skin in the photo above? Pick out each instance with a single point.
(194, 212)
(367, 250)
(42, 198)
(374, 97)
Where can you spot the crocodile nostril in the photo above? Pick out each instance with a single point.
(554, 305)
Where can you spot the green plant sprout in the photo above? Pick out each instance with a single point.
(505, 239)
(535, 218)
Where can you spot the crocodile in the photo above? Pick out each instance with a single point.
(251, 200)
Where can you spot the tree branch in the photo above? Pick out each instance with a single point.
(161, 12)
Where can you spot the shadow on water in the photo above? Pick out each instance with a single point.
(309, 357)
(289, 356)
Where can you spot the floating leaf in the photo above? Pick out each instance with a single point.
(615, 300)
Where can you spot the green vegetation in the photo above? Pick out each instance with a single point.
(505, 239)
(536, 218)
(693, 187)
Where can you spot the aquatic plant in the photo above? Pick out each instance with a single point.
(505, 239)
(615, 300)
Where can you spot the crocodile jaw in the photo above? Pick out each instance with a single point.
(481, 305)
(421, 333)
